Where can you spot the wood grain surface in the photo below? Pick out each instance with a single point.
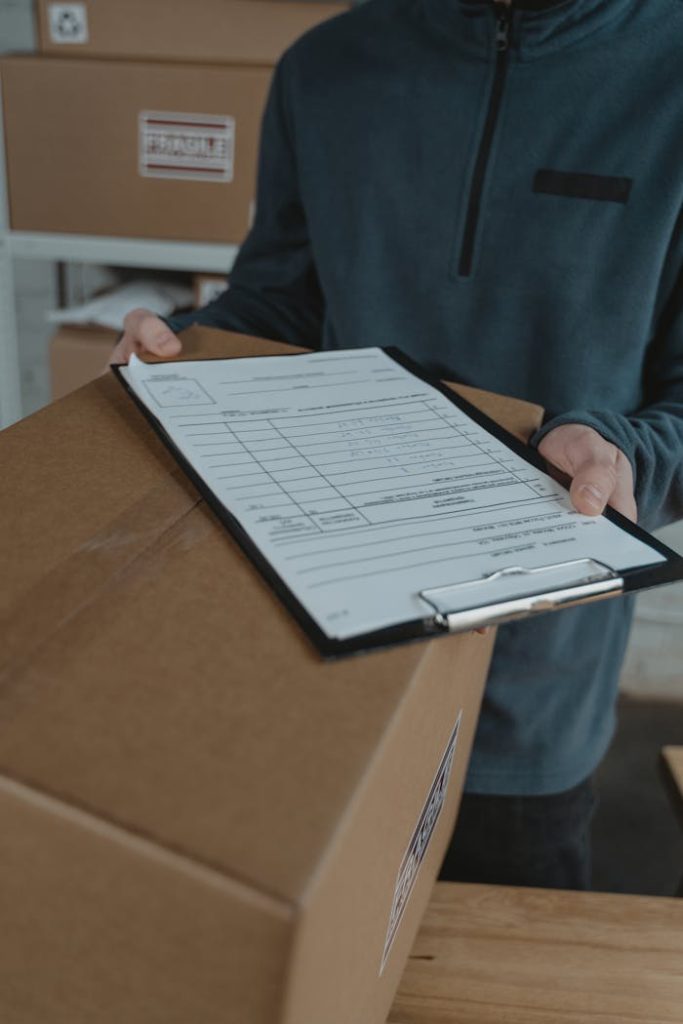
(499, 955)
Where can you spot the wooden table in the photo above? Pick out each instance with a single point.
(499, 955)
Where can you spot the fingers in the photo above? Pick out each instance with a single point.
(145, 333)
(601, 474)
(154, 336)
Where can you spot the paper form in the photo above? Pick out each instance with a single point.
(363, 485)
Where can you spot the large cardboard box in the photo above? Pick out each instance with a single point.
(131, 149)
(220, 31)
(200, 820)
(78, 354)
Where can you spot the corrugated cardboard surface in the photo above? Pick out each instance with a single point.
(185, 783)
(219, 31)
(72, 141)
(361, 873)
(77, 356)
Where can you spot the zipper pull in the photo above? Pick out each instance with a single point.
(503, 15)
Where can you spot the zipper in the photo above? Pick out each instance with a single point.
(502, 43)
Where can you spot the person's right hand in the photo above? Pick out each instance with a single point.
(145, 333)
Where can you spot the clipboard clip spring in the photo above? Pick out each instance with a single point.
(462, 606)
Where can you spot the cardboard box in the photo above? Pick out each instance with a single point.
(77, 356)
(200, 820)
(131, 149)
(218, 31)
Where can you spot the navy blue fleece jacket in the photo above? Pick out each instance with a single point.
(502, 198)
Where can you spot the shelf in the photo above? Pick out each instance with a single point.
(157, 254)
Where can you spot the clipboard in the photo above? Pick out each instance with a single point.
(511, 592)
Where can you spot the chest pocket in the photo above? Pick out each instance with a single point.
(583, 186)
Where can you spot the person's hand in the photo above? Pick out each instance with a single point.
(600, 472)
(144, 332)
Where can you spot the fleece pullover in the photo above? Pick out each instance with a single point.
(498, 191)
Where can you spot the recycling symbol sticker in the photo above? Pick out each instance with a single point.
(68, 23)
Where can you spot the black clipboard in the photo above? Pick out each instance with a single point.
(551, 588)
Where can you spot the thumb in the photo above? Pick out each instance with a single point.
(592, 487)
(156, 337)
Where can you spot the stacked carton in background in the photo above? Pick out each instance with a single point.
(141, 119)
(78, 355)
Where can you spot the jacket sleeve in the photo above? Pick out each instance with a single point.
(652, 436)
(274, 290)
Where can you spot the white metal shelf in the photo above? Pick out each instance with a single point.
(197, 257)
(10, 381)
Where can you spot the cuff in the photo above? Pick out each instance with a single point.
(597, 422)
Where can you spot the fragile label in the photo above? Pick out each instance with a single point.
(189, 147)
(417, 847)
(68, 23)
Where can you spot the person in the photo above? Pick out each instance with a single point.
(496, 188)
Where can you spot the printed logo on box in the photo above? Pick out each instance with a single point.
(417, 847)
(68, 23)
(189, 147)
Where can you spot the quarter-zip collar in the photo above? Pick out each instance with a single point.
(540, 27)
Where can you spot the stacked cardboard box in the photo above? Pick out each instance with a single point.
(78, 354)
(202, 31)
(141, 118)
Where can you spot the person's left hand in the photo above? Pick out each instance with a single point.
(600, 472)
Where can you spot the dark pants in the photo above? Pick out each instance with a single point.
(539, 841)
